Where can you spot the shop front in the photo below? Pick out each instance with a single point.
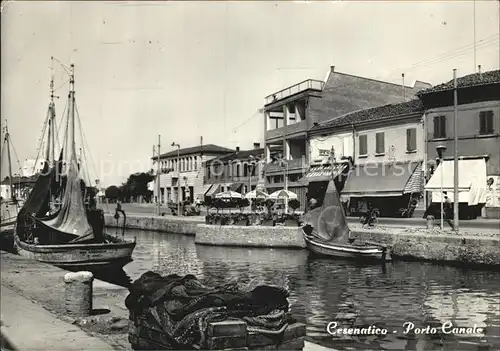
(472, 186)
(389, 187)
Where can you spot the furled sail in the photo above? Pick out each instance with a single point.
(328, 221)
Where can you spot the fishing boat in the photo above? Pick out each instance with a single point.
(71, 235)
(9, 204)
(326, 232)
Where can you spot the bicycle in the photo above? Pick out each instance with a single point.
(370, 218)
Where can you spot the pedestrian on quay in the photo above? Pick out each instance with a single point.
(447, 211)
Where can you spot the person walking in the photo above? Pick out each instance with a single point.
(447, 211)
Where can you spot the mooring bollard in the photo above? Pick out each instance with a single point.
(430, 222)
(79, 293)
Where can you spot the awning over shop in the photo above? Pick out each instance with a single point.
(206, 188)
(416, 182)
(323, 173)
(377, 180)
(471, 181)
(236, 187)
(213, 190)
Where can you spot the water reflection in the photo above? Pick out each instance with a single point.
(323, 290)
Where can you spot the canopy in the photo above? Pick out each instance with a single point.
(319, 173)
(236, 187)
(229, 195)
(380, 179)
(471, 181)
(283, 194)
(213, 190)
(257, 195)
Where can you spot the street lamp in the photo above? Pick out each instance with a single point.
(440, 150)
(178, 179)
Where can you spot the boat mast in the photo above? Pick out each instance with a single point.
(7, 145)
(72, 111)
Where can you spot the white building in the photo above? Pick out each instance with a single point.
(29, 168)
(183, 169)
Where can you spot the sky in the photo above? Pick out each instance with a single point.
(190, 69)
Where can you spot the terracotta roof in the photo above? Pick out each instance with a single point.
(208, 148)
(240, 155)
(372, 114)
(470, 80)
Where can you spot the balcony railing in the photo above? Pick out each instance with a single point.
(299, 163)
(294, 89)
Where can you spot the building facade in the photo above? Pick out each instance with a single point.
(478, 127)
(240, 171)
(386, 147)
(182, 173)
(292, 112)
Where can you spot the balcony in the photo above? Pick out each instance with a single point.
(296, 164)
(288, 130)
(310, 84)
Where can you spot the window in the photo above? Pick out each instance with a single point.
(208, 172)
(439, 127)
(363, 145)
(379, 143)
(486, 122)
(195, 163)
(411, 139)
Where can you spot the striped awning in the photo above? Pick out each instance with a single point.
(322, 173)
(206, 188)
(213, 190)
(236, 187)
(415, 184)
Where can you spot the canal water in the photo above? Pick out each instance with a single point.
(325, 290)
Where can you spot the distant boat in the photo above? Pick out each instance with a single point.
(326, 232)
(72, 234)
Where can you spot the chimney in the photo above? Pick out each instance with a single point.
(256, 145)
(332, 68)
(479, 70)
(237, 149)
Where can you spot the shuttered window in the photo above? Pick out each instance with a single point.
(439, 127)
(411, 139)
(486, 122)
(363, 145)
(380, 143)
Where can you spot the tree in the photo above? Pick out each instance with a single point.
(112, 192)
(136, 186)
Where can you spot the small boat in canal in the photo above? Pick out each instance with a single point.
(327, 233)
(70, 235)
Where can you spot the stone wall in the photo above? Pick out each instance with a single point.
(437, 247)
(252, 236)
(166, 224)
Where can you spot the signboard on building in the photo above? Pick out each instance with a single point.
(321, 147)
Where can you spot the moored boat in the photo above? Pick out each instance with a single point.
(73, 234)
(360, 251)
(327, 233)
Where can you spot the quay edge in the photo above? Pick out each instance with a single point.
(423, 245)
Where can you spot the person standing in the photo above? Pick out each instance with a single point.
(447, 211)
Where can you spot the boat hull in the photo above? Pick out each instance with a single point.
(77, 256)
(362, 253)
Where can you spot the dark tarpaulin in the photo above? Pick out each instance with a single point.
(328, 222)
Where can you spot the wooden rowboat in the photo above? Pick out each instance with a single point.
(115, 253)
(358, 252)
